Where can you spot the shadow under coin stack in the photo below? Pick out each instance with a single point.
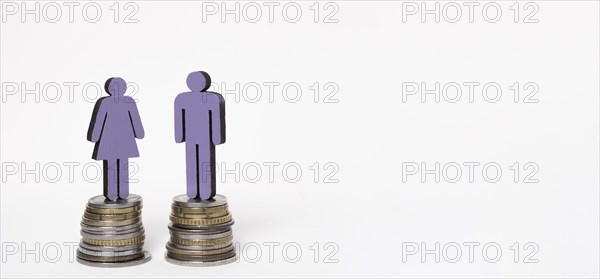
(201, 233)
(112, 233)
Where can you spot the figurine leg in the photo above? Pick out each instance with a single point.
(110, 179)
(123, 178)
(191, 169)
(206, 154)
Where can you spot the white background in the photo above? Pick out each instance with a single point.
(369, 212)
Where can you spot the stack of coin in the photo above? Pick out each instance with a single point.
(112, 233)
(201, 233)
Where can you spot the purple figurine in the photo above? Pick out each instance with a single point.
(114, 126)
(200, 122)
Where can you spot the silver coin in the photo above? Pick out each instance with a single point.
(218, 227)
(203, 259)
(103, 202)
(144, 259)
(185, 201)
(197, 231)
(112, 232)
(110, 259)
(98, 248)
(97, 229)
(200, 264)
(198, 248)
(213, 251)
(110, 253)
(193, 236)
(173, 249)
(112, 236)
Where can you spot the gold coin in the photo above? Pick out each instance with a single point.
(113, 223)
(200, 222)
(200, 216)
(113, 210)
(112, 217)
(120, 242)
(202, 242)
(174, 250)
(199, 210)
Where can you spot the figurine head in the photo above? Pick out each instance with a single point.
(198, 81)
(115, 86)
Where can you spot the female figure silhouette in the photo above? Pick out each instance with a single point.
(114, 127)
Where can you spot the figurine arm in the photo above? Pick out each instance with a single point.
(179, 121)
(97, 121)
(136, 121)
(218, 119)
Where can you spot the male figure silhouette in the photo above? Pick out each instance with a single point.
(114, 126)
(200, 122)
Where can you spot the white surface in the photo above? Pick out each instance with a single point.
(370, 212)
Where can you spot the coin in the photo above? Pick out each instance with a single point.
(96, 229)
(200, 263)
(200, 215)
(202, 242)
(172, 249)
(198, 248)
(207, 228)
(201, 233)
(114, 210)
(143, 259)
(109, 259)
(209, 258)
(104, 203)
(200, 222)
(119, 242)
(112, 233)
(112, 236)
(112, 217)
(199, 210)
(185, 201)
(173, 227)
(110, 248)
(115, 232)
(100, 223)
(111, 253)
(193, 236)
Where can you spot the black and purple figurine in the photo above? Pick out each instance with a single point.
(114, 127)
(200, 123)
